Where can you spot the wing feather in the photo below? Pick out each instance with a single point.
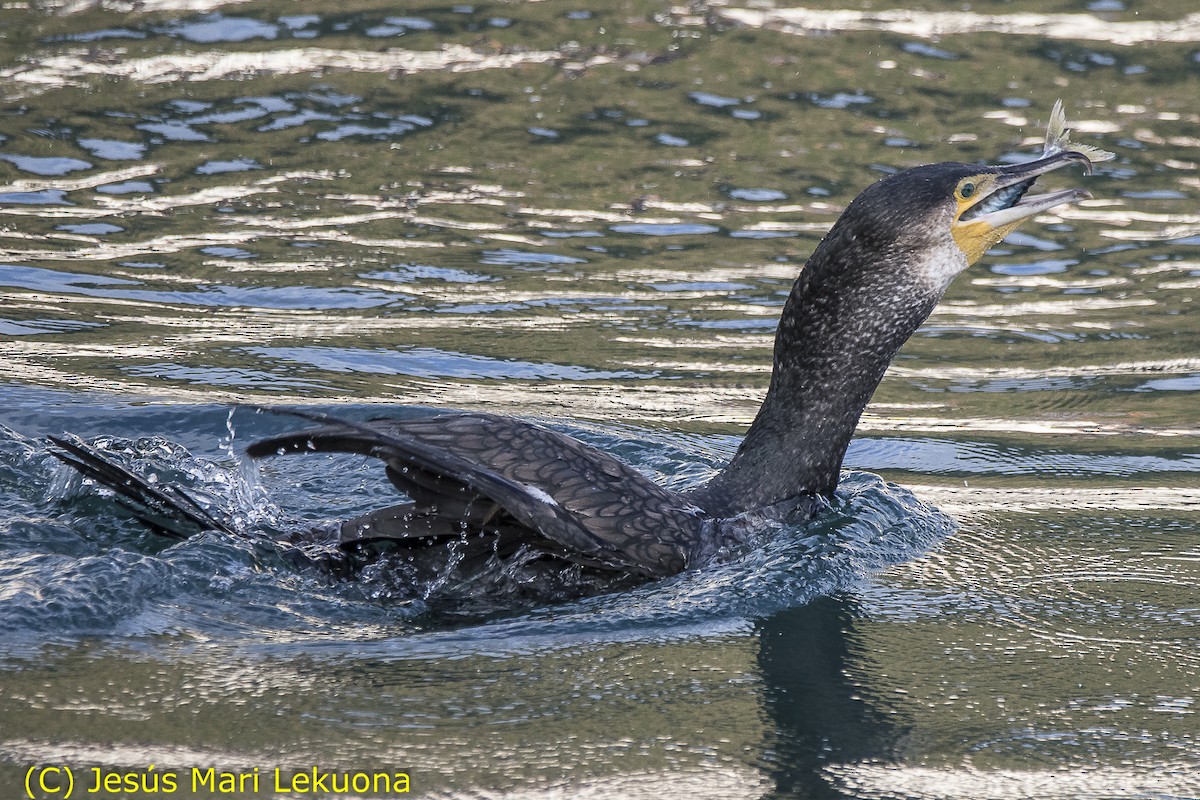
(581, 499)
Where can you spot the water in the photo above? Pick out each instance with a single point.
(590, 215)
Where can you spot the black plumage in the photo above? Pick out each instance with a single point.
(497, 490)
(509, 478)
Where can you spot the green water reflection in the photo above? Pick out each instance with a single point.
(594, 212)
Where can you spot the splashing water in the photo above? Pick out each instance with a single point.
(106, 574)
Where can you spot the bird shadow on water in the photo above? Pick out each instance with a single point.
(72, 555)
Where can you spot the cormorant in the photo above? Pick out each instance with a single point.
(501, 489)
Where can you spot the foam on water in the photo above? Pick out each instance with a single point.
(102, 574)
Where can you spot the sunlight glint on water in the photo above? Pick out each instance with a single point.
(590, 215)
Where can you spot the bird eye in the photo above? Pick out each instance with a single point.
(966, 190)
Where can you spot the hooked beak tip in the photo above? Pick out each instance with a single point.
(1075, 155)
(1040, 166)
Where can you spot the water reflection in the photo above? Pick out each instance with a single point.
(594, 214)
(429, 362)
(65, 71)
(822, 723)
(926, 24)
(256, 296)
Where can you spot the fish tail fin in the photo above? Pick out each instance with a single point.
(1056, 129)
(1058, 138)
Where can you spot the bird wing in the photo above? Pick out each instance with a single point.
(165, 509)
(472, 465)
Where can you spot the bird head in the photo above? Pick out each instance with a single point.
(990, 204)
(939, 219)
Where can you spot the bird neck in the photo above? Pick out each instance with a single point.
(843, 323)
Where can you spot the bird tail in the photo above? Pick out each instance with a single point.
(167, 510)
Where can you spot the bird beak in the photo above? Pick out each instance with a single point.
(1002, 206)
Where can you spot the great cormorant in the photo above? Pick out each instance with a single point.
(500, 488)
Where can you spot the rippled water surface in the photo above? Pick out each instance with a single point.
(589, 214)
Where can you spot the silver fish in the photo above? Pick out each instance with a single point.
(1058, 138)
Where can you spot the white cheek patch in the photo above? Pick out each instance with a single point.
(942, 265)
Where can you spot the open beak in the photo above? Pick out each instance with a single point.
(1005, 201)
(1003, 205)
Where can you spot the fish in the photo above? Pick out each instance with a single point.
(1058, 138)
